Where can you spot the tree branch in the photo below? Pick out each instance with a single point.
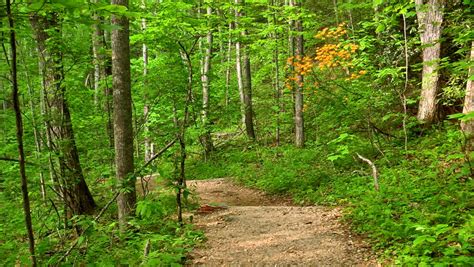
(374, 171)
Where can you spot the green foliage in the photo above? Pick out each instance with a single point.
(421, 214)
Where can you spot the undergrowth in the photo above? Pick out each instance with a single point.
(154, 226)
(422, 214)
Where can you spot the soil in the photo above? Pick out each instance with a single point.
(245, 227)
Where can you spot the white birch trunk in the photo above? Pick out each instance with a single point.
(430, 19)
(468, 126)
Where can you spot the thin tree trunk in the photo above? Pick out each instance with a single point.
(227, 67)
(60, 133)
(334, 2)
(96, 47)
(238, 71)
(299, 121)
(403, 97)
(351, 21)
(206, 139)
(245, 77)
(146, 107)
(468, 126)
(291, 53)
(36, 134)
(123, 132)
(430, 19)
(278, 93)
(181, 135)
(19, 136)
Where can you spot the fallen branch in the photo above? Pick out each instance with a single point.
(374, 171)
(18, 161)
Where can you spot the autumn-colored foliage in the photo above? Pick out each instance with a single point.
(336, 52)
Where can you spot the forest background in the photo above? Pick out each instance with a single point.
(361, 104)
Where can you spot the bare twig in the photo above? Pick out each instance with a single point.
(374, 171)
(163, 150)
(147, 248)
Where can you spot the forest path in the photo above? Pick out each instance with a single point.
(249, 228)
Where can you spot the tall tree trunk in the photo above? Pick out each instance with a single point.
(240, 83)
(291, 53)
(98, 59)
(243, 65)
(277, 87)
(19, 136)
(60, 133)
(468, 126)
(123, 132)
(299, 121)
(36, 133)
(206, 139)
(181, 134)
(146, 107)
(430, 19)
(102, 91)
(228, 65)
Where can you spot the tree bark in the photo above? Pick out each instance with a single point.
(430, 19)
(19, 136)
(468, 126)
(181, 134)
(228, 65)
(245, 79)
(123, 132)
(277, 87)
(146, 108)
(60, 132)
(238, 71)
(299, 120)
(206, 139)
(36, 132)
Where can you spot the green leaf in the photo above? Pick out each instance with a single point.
(380, 28)
(81, 240)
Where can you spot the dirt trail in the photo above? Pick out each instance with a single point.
(253, 229)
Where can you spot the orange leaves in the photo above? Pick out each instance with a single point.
(301, 66)
(336, 33)
(330, 55)
(336, 53)
(356, 75)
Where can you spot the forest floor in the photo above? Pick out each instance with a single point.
(245, 227)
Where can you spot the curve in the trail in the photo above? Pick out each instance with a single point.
(251, 229)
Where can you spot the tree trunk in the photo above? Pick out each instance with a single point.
(146, 107)
(299, 121)
(291, 54)
(123, 132)
(206, 139)
(19, 136)
(277, 87)
(238, 71)
(181, 134)
(36, 132)
(245, 79)
(60, 133)
(228, 65)
(430, 19)
(468, 126)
